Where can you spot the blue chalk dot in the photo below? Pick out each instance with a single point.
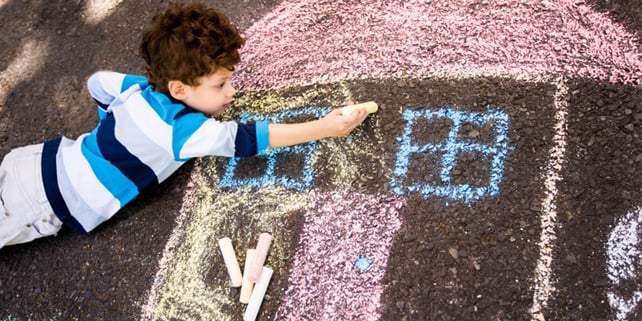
(363, 263)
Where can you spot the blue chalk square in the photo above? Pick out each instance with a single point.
(302, 155)
(475, 142)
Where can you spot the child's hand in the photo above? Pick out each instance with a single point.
(333, 124)
(339, 124)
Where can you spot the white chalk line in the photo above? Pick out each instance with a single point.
(624, 264)
(544, 282)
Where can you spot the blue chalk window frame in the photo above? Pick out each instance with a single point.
(269, 177)
(450, 149)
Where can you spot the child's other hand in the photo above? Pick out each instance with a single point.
(339, 124)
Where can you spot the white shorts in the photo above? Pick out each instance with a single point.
(25, 213)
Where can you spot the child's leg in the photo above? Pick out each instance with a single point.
(25, 213)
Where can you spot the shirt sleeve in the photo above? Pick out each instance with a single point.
(105, 86)
(196, 138)
(251, 139)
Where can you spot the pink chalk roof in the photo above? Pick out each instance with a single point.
(307, 41)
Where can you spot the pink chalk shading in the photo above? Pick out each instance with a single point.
(304, 41)
(323, 282)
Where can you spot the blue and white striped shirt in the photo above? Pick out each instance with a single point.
(142, 138)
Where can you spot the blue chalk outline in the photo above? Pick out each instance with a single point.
(450, 150)
(269, 178)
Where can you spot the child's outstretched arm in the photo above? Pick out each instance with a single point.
(334, 124)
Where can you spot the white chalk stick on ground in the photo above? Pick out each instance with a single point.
(256, 299)
(262, 248)
(246, 287)
(232, 264)
(370, 106)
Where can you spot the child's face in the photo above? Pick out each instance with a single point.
(213, 95)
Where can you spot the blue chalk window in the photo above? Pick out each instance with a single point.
(444, 155)
(272, 177)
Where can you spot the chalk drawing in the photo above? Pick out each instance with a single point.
(285, 48)
(210, 211)
(548, 220)
(450, 150)
(269, 177)
(624, 264)
(180, 291)
(307, 41)
(339, 228)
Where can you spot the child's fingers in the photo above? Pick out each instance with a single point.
(361, 115)
(357, 117)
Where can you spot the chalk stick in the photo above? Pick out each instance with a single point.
(370, 106)
(232, 264)
(246, 287)
(256, 299)
(262, 248)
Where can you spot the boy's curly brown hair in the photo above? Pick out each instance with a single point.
(186, 42)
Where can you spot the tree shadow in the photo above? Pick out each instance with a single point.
(626, 12)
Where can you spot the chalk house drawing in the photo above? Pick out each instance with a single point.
(269, 177)
(449, 150)
(624, 264)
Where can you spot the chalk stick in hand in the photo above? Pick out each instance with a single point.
(370, 106)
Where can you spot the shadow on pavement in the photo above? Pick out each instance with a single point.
(626, 12)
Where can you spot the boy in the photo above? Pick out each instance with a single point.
(149, 126)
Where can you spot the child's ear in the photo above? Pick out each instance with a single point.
(177, 89)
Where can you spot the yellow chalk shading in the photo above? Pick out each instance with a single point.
(271, 101)
(185, 293)
(247, 285)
